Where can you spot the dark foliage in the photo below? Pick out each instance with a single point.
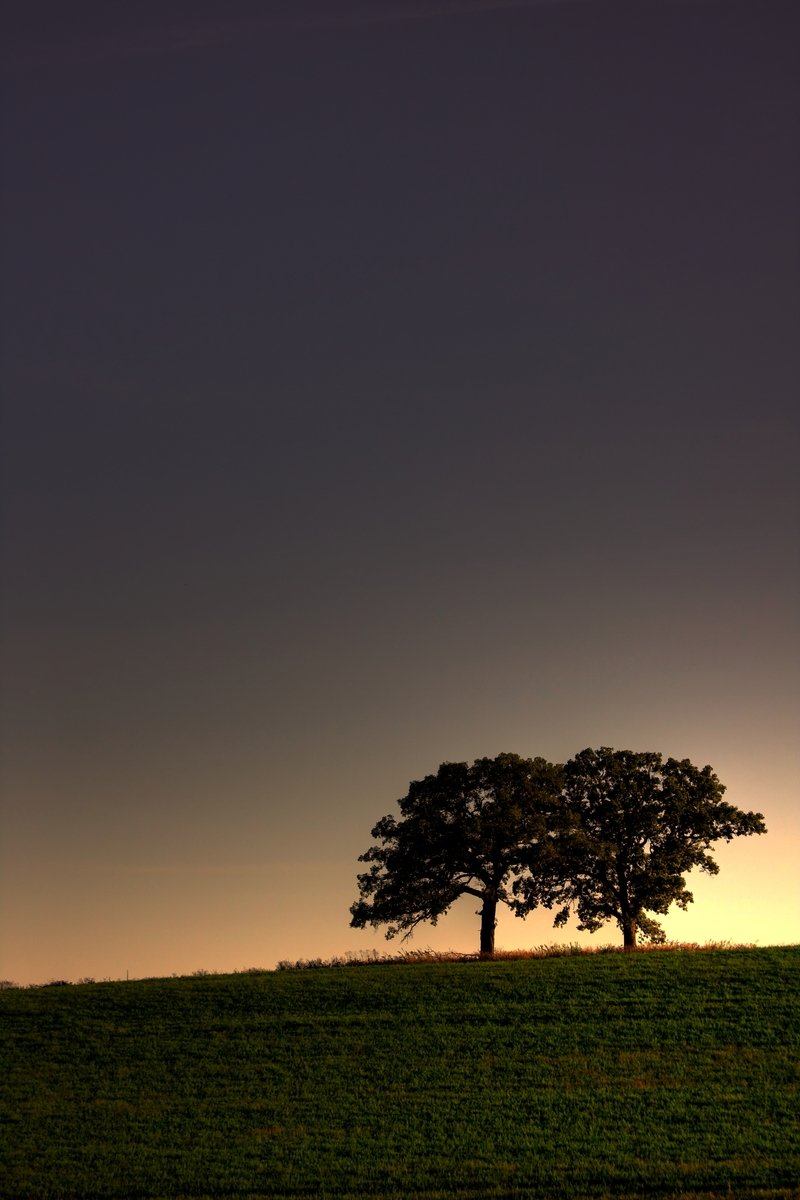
(632, 827)
(610, 836)
(467, 830)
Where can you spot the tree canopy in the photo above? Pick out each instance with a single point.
(467, 830)
(609, 836)
(632, 826)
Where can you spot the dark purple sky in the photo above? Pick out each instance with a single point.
(385, 383)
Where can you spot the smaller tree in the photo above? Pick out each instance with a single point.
(467, 830)
(632, 826)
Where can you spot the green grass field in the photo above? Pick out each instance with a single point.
(663, 1074)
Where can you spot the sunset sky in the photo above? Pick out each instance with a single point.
(385, 383)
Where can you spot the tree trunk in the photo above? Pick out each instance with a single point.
(488, 922)
(628, 933)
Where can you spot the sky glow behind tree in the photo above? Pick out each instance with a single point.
(385, 384)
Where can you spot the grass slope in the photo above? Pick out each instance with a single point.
(669, 1074)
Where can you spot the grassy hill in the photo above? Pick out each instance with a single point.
(666, 1074)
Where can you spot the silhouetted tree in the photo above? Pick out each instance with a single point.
(467, 830)
(631, 827)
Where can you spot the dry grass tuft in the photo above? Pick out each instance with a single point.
(560, 950)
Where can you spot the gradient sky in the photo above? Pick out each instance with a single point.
(385, 384)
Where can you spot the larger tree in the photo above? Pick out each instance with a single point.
(632, 826)
(467, 830)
